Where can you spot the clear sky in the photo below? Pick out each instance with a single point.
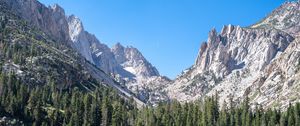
(167, 32)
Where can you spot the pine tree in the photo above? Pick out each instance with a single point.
(297, 114)
(283, 121)
(263, 120)
(87, 110)
(273, 117)
(257, 115)
(116, 115)
(106, 110)
(291, 115)
(223, 120)
(95, 113)
(246, 113)
(76, 109)
(237, 117)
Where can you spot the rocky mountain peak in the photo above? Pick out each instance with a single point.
(79, 38)
(51, 20)
(227, 29)
(133, 61)
(202, 49)
(58, 9)
(261, 61)
(258, 61)
(213, 38)
(119, 51)
(118, 45)
(233, 48)
(75, 27)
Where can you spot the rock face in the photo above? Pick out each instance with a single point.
(133, 61)
(146, 82)
(79, 37)
(260, 62)
(91, 48)
(285, 18)
(126, 64)
(278, 85)
(69, 31)
(51, 20)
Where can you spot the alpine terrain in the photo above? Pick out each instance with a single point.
(260, 61)
(54, 72)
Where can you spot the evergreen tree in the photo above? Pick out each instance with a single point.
(116, 115)
(87, 110)
(297, 114)
(106, 110)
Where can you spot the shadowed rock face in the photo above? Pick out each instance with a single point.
(51, 20)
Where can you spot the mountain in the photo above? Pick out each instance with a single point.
(123, 63)
(133, 61)
(147, 82)
(260, 62)
(51, 20)
(53, 72)
(123, 66)
(68, 57)
(126, 64)
(91, 48)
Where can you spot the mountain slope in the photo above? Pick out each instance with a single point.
(260, 62)
(69, 32)
(39, 54)
(286, 18)
(126, 64)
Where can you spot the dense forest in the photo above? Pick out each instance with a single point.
(47, 105)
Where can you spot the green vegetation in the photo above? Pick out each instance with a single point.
(42, 83)
(47, 105)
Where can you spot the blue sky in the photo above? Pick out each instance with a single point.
(167, 32)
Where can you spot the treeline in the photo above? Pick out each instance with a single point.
(207, 113)
(48, 106)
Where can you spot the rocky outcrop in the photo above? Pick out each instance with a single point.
(79, 37)
(133, 61)
(230, 62)
(279, 84)
(146, 82)
(69, 31)
(126, 64)
(260, 62)
(286, 18)
(51, 20)
(238, 48)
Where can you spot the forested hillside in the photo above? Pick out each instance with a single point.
(47, 105)
(45, 82)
